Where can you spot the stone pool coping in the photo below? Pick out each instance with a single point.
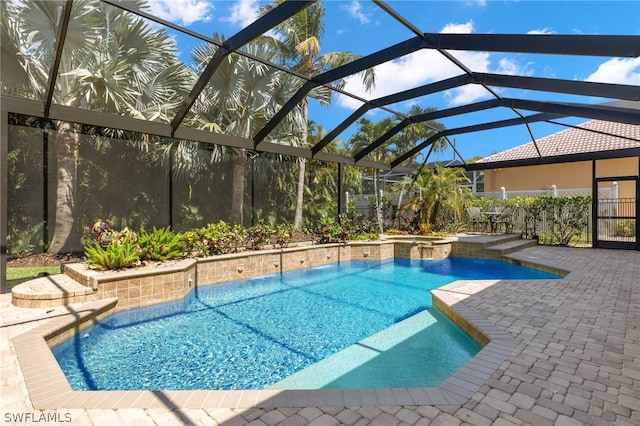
(49, 389)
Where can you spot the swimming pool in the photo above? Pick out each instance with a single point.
(255, 333)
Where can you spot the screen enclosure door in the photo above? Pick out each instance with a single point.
(616, 213)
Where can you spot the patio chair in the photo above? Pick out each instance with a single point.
(476, 219)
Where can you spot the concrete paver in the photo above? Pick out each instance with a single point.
(577, 358)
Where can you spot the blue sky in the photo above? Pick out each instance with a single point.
(361, 28)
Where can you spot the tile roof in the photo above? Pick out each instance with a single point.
(575, 141)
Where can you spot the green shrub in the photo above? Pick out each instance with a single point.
(344, 229)
(260, 234)
(160, 244)
(213, 239)
(626, 228)
(568, 216)
(24, 242)
(284, 235)
(117, 254)
(104, 234)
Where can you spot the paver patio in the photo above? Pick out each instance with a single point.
(577, 358)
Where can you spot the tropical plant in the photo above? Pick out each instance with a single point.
(104, 47)
(160, 244)
(284, 235)
(24, 242)
(117, 254)
(260, 234)
(322, 187)
(213, 239)
(369, 131)
(409, 137)
(435, 190)
(344, 229)
(298, 41)
(105, 234)
(242, 95)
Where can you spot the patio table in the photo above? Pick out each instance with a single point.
(494, 218)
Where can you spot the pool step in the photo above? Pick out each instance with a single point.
(513, 245)
(500, 239)
(49, 291)
(489, 246)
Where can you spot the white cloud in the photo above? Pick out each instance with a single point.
(510, 67)
(182, 12)
(458, 28)
(424, 67)
(619, 71)
(542, 31)
(243, 12)
(355, 10)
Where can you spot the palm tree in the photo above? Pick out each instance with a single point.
(240, 98)
(369, 131)
(298, 41)
(410, 136)
(322, 190)
(434, 190)
(112, 61)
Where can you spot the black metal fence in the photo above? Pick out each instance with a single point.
(616, 219)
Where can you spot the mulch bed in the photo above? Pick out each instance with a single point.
(42, 259)
(45, 259)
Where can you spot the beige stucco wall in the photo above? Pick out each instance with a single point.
(563, 176)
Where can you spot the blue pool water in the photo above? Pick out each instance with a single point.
(254, 333)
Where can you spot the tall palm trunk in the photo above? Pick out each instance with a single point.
(302, 162)
(297, 221)
(239, 163)
(378, 201)
(64, 236)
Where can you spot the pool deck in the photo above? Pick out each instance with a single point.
(569, 353)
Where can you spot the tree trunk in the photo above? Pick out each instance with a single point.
(297, 221)
(378, 201)
(239, 162)
(64, 238)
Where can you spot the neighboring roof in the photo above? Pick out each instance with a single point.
(592, 136)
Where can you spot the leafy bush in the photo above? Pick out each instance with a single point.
(568, 216)
(332, 232)
(343, 230)
(117, 254)
(24, 242)
(626, 228)
(532, 208)
(160, 244)
(104, 234)
(284, 235)
(260, 234)
(213, 239)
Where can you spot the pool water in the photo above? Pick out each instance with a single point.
(254, 333)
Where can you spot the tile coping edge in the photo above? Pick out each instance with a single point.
(55, 392)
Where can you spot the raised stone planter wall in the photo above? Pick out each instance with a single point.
(173, 280)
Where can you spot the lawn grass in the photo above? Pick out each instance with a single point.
(17, 276)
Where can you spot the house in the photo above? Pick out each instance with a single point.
(610, 149)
